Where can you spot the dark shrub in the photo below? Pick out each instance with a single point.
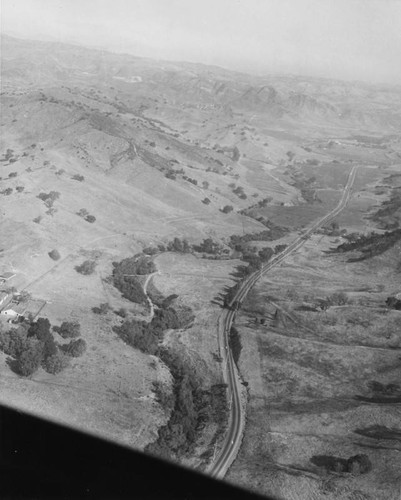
(227, 209)
(40, 329)
(29, 361)
(54, 254)
(75, 348)
(121, 312)
(56, 363)
(86, 268)
(68, 329)
(102, 309)
(14, 342)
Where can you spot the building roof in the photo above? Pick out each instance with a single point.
(17, 308)
(7, 275)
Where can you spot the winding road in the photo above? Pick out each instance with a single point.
(232, 442)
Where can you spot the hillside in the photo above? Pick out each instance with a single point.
(197, 171)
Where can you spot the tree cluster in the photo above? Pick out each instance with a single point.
(239, 191)
(49, 198)
(208, 246)
(369, 245)
(137, 265)
(146, 336)
(82, 212)
(178, 435)
(68, 329)
(178, 245)
(33, 347)
(124, 277)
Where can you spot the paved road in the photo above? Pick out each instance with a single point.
(232, 442)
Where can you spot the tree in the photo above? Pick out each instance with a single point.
(14, 342)
(40, 329)
(78, 177)
(56, 363)
(54, 254)
(68, 329)
(227, 208)
(265, 254)
(75, 348)
(29, 361)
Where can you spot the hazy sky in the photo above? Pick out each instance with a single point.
(349, 39)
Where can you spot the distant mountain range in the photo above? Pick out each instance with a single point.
(31, 63)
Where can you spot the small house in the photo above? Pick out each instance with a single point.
(14, 310)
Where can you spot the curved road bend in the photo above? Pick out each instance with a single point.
(226, 455)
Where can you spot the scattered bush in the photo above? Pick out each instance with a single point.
(102, 309)
(49, 198)
(151, 250)
(227, 209)
(54, 254)
(122, 312)
(170, 175)
(78, 177)
(82, 212)
(86, 268)
(19, 189)
(12, 174)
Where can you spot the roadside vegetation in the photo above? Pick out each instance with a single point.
(369, 245)
(125, 277)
